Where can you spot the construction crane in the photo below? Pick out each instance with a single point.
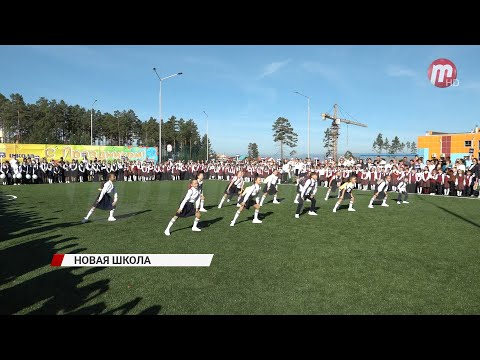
(335, 130)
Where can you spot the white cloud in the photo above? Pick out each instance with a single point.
(274, 67)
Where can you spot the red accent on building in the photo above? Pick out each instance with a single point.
(446, 145)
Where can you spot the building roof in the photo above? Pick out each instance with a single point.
(476, 130)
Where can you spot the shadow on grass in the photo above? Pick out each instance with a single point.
(46, 229)
(342, 207)
(29, 285)
(152, 310)
(423, 198)
(202, 224)
(269, 200)
(29, 256)
(102, 216)
(261, 216)
(306, 210)
(14, 219)
(211, 207)
(129, 215)
(206, 223)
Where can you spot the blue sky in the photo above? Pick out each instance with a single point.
(244, 89)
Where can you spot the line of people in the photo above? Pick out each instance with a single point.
(436, 177)
(248, 197)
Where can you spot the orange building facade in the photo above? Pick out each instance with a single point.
(454, 146)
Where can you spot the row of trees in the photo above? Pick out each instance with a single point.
(49, 121)
(396, 146)
(284, 135)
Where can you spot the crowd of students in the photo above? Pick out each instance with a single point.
(434, 176)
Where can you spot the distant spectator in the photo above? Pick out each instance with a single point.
(460, 165)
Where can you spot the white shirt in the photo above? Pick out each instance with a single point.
(310, 188)
(383, 186)
(108, 188)
(251, 191)
(348, 186)
(191, 196)
(270, 180)
(237, 181)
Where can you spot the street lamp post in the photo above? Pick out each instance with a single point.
(308, 141)
(207, 132)
(91, 124)
(160, 113)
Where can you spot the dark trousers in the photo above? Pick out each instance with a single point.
(439, 189)
(468, 190)
(300, 204)
(405, 196)
(452, 188)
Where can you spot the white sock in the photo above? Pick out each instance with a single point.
(221, 202)
(170, 224)
(296, 197)
(384, 201)
(336, 206)
(261, 202)
(237, 214)
(328, 194)
(111, 212)
(256, 214)
(350, 205)
(195, 222)
(89, 213)
(371, 202)
(201, 203)
(274, 197)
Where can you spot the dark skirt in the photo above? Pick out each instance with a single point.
(251, 201)
(271, 191)
(233, 190)
(188, 210)
(105, 203)
(347, 195)
(381, 195)
(334, 186)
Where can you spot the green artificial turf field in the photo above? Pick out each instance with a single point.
(420, 258)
